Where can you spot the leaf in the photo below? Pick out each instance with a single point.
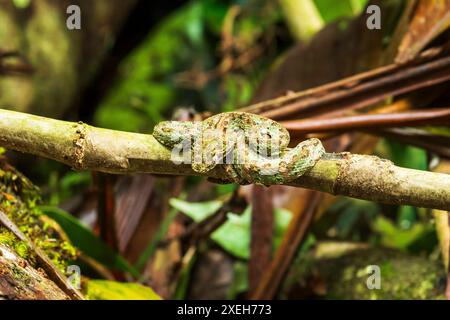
(112, 290)
(233, 235)
(308, 66)
(196, 211)
(21, 4)
(185, 276)
(406, 156)
(282, 219)
(240, 280)
(331, 10)
(302, 18)
(430, 19)
(351, 214)
(395, 237)
(87, 242)
(409, 157)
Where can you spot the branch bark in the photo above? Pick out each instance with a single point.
(85, 147)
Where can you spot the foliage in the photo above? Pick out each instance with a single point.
(19, 199)
(178, 60)
(234, 234)
(112, 290)
(344, 269)
(331, 10)
(196, 211)
(88, 243)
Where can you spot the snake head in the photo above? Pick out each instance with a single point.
(172, 133)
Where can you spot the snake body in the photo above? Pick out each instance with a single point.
(252, 148)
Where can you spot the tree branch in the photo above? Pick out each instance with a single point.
(84, 147)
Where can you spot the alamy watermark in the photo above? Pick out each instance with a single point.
(374, 279)
(373, 22)
(73, 21)
(74, 276)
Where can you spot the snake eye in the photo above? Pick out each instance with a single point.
(266, 134)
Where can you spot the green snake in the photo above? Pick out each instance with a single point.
(252, 148)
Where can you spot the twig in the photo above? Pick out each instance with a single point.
(438, 144)
(439, 116)
(361, 90)
(302, 18)
(262, 227)
(106, 209)
(88, 148)
(274, 276)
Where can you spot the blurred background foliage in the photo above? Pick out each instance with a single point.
(204, 56)
(209, 54)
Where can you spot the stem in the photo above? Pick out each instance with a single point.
(85, 147)
(302, 18)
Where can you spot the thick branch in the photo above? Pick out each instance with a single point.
(88, 148)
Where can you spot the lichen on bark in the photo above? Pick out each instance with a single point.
(19, 280)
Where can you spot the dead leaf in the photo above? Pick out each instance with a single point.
(430, 19)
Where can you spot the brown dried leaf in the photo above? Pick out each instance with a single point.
(430, 19)
(339, 50)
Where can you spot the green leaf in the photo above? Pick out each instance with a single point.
(331, 10)
(21, 4)
(87, 242)
(185, 276)
(395, 237)
(234, 235)
(406, 156)
(282, 219)
(409, 157)
(112, 290)
(350, 212)
(197, 211)
(240, 280)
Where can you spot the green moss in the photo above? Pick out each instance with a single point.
(345, 275)
(20, 247)
(19, 199)
(19, 274)
(6, 237)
